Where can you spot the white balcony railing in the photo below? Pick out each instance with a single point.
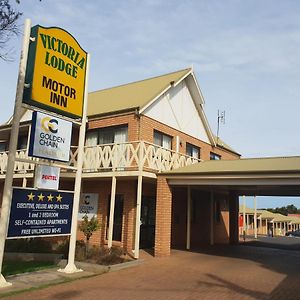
(116, 157)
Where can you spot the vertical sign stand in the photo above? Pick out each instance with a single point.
(71, 268)
(7, 191)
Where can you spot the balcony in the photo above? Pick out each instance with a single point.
(130, 156)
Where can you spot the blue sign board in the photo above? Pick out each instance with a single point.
(40, 213)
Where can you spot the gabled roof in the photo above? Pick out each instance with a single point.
(248, 210)
(220, 143)
(132, 95)
(265, 214)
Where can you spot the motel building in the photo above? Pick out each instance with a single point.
(266, 222)
(162, 178)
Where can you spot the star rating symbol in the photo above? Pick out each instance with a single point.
(50, 197)
(30, 197)
(41, 197)
(58, 198)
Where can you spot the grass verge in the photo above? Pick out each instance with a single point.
(17, 267)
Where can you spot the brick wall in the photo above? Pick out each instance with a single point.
(148, 125)
(163, 218)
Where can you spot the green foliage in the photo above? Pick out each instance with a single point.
(285, 210)
(89, 226)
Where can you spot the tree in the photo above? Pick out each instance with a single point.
(8, 26)
(88, 227)
(285, 210)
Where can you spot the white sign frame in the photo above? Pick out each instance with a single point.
(50, 137)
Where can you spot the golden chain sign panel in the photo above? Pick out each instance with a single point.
(55, 74)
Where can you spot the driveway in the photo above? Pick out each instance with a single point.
(227, 272)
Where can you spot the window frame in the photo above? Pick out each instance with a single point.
(192, 147)
(161, 136)
(111, 129)
(214, 156)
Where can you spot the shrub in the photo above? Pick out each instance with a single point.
(88, 227)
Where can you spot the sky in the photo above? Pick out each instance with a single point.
(245, 55)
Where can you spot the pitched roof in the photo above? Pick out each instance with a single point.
(132, 95)
(244, 165)
(281, 218)
(220, 143)
(265, 214)
(248, 210)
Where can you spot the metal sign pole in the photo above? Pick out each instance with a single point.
(71, 267)
(7, 191)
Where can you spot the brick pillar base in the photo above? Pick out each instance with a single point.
(163, 218)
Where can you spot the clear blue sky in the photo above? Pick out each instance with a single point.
(245, 54)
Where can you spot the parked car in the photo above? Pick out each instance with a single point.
(293, 233)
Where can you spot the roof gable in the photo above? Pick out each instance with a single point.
(132, 95)
(178, 109)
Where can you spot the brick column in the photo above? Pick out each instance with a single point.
(233, 218)
(163, 218)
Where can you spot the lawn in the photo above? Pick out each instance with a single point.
(17, 267)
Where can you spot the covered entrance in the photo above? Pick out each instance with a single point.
(215, 187)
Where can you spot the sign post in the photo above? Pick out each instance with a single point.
(71, 267)
(7, 191)
(53, 76)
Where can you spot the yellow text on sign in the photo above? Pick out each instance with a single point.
(59, 71)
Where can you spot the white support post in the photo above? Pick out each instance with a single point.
(211, 239)
(138, 217)
(71, 267)
(255, 219)
(112, 211)
(260, 226)
(7, 190)
(247, 224)
(24, 182)
(188, 219)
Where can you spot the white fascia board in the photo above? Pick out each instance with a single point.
(142, 109)
(183, 77)
(207, 127)
(199, 106)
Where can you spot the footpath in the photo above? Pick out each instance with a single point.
(51, 276)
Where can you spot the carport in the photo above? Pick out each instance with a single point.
(215, 187)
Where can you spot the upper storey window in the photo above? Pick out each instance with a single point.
(108, 135)
(2, 146)
(214, 156)
(22, 142)
(192, 150)
(162, 140)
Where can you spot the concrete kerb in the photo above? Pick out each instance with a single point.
(47, 277)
